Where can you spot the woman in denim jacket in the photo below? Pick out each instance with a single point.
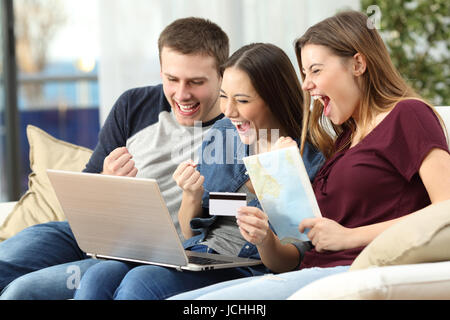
(262, 99)
(229, 175)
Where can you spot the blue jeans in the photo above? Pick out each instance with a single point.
(266, 287)
(42, 262)
(124, 281)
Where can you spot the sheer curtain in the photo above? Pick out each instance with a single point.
(129, 32)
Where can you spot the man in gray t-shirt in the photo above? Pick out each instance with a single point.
(141, 137)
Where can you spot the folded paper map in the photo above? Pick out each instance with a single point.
(283, 189)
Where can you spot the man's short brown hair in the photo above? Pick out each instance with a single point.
(196, 35)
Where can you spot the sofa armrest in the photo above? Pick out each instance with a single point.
(414, 281)
(5, 210)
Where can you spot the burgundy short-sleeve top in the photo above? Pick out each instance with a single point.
(377, 179)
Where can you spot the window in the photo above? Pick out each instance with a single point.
(57, 87)
(3, 180)
(9, 187)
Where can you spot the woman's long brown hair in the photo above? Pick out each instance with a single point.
(382, 87)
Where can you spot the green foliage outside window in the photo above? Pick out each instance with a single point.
(417, 35)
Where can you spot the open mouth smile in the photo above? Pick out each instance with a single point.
(325, 100)
(241, 126)
(188, 110)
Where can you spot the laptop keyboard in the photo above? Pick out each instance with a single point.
(204, 261)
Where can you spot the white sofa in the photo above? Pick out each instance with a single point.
(421, 281)
(410, 280)
(5, 209)
(444, 112)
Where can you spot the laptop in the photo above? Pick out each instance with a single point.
(124, 218)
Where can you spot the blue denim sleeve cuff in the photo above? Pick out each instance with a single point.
(302, 247)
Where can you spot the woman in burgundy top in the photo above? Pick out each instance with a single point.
(387, 156)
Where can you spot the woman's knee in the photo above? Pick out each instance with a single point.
(101, 280)
(12, 292)
(21, 289)
(146, 282)
(105, 271)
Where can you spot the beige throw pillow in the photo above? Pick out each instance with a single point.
(423, 236)
(39, 204)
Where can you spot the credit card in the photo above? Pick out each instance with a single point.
(226, 203)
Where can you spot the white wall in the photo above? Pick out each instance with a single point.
(129, 32)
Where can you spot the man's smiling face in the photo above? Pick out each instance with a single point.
(191, 84)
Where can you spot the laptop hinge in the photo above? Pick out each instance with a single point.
(92, 255)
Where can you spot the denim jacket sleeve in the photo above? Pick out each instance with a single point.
(220, 162)
(313, 160)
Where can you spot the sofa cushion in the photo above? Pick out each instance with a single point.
(39, 204)
(5, 210)
(404, 282)
(423, 236)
